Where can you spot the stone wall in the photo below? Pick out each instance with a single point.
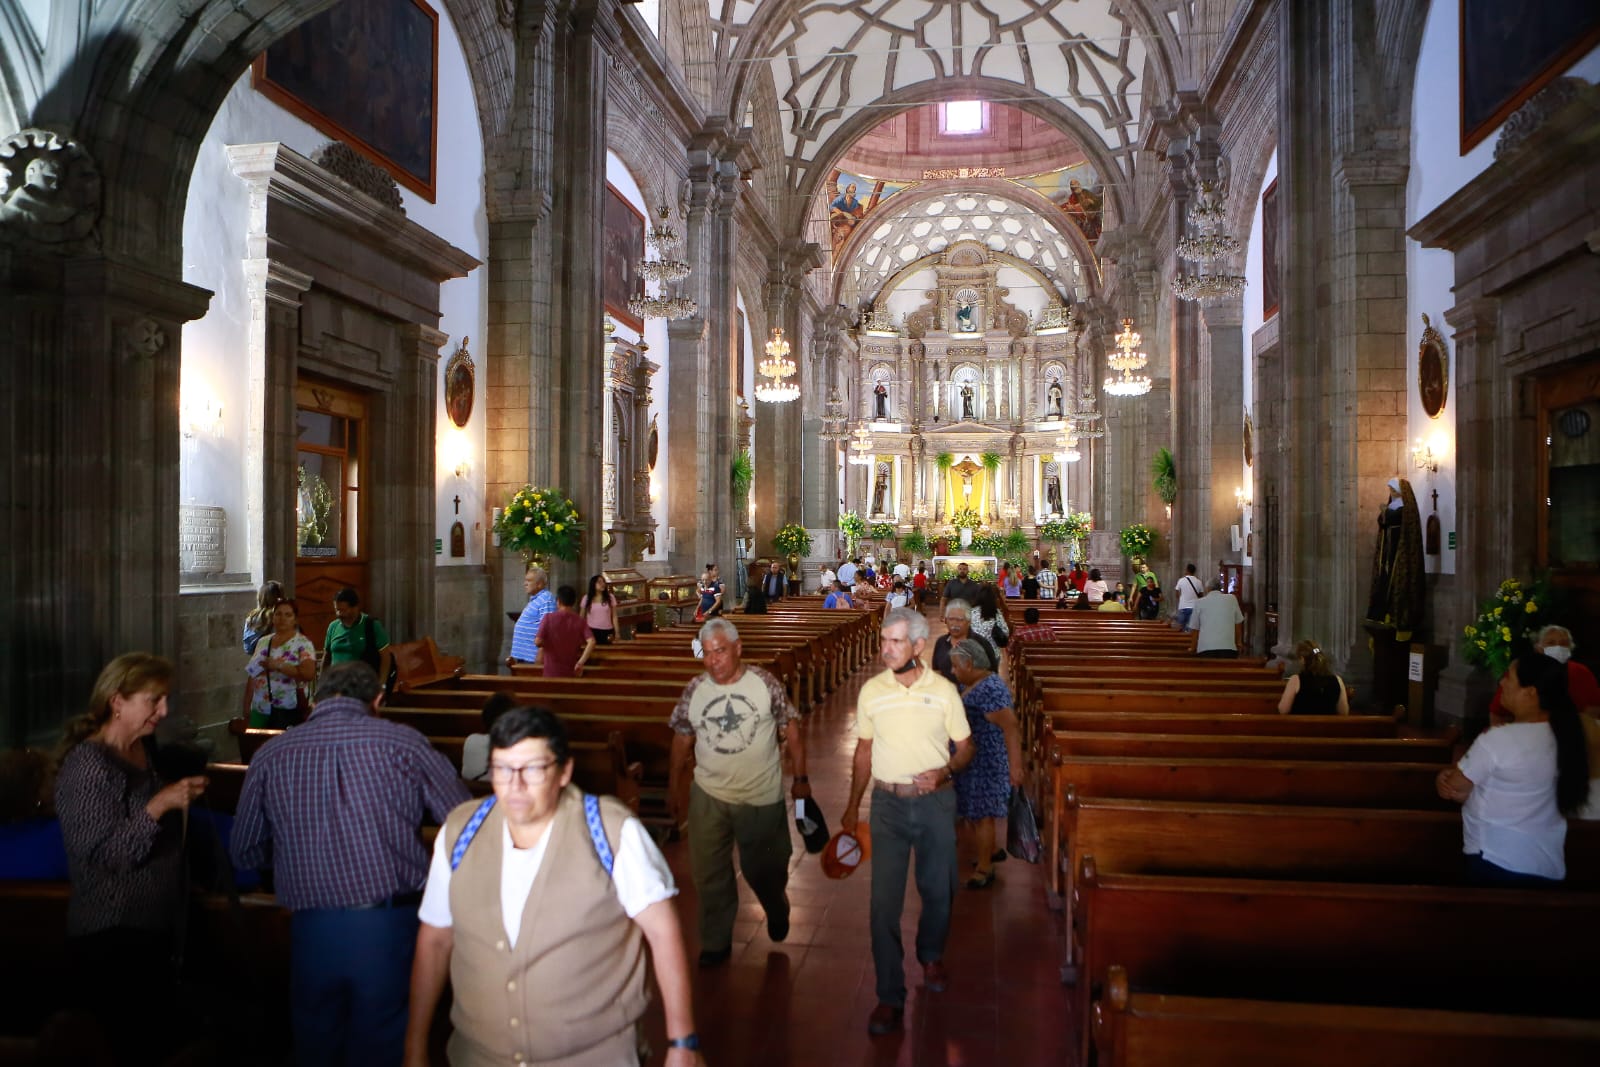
(209, 687)
(464, 628)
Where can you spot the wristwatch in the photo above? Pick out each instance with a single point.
(689, 1041)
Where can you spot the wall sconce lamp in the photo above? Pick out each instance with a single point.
(1422, 457)
(202, 418)
(1242, 497)
(457, 454)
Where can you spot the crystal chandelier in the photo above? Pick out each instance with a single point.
(833, 420)
(1082, 422)
(1125, 361)
(861, 448)
(778, 369)
(1067, 448)
(1209, 245)
(663, 270)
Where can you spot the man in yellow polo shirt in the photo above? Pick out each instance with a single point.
(906, 719)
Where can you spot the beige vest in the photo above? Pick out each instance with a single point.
(576, 976)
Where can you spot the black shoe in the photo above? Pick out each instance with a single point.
(715, 959)
(999, 855)
(885, 1019)
(778, 925)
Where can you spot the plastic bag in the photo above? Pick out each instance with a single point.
(1022, 827)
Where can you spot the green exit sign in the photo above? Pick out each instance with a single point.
(1452, 540)
(438, 544)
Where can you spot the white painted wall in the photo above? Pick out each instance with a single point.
(214, 347)
(908, 296)
(655, 338)
(1253, 320)
(38, 12)
(1027, 293)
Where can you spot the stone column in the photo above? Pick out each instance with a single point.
(1220, 445)
(407, 569)
(271, 432)
(91, 563)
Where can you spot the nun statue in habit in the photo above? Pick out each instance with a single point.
(1396, 598)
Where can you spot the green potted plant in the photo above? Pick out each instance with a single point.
(794, 543)
(991, 464)
(744, 475)
(916, 542)
(1164, 476)
(541, 524)
(1137, 540)
(854, 528)
(1015, 545)
(1506, 625)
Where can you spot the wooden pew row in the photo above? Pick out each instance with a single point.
(621, 691)
(1131, 836)
(1156, 1030)
(1038, 704)
(796, 660)
(1382, 945)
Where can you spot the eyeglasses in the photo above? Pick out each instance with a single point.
(528, 773)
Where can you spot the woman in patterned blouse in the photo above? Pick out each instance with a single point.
(283, 662)
(124, 845)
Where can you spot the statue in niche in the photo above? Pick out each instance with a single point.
(966, 403)
(880, 489)
(1055, 400)
(1052, 494)
(964, 318)
(880, 401)
(1396, 598)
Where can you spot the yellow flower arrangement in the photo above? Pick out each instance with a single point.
(541, 523)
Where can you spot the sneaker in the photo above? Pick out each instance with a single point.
(885, 1019)
(715, 959)
(935, 976)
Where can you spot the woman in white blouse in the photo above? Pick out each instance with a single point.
(280, 667)
(1095, 589)
(1517, 782)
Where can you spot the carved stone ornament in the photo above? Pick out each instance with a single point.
(1530, 116)
(49, 190)
(144, 338)
(350, 166)
(1433, 370)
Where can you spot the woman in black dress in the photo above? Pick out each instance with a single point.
(1316, 690)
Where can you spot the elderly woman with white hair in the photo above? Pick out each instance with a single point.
(984, 786)
(958, 626)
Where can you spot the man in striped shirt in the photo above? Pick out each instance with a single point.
(541, 602)
(333, 807)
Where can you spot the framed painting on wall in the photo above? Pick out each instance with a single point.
(365, 72)
(1511, 51)
(622, 244)
(1269, 251)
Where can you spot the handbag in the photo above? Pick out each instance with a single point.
(1022, 827)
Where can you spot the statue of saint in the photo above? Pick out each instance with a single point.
(966, 403)
(1052, 495)
(964, 322)
(880, 397)
(1055, 400)
(880, 488)
(1396, 599)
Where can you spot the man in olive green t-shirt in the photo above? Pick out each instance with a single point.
(733, 723)
(347, 636)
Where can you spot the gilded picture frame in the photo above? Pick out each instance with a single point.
(1433, 370)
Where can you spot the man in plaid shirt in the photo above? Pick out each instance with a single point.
(333, 807)
(1032, 630)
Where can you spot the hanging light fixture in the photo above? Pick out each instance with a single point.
(1084, 420)
(1125, 361)
(861, 449)
(1067, 448)
(834, 420)
(1209, 245)
(778, 369)
(663, 270)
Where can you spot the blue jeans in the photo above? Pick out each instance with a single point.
(1183, 617)
(1482, 872)
(925, 825)
(350, 976)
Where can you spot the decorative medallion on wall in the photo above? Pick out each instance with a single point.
(1249, 440)
(50, 191)
(1433, 369)
(459, 385)
(652, 444)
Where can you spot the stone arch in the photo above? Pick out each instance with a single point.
(643, 151)
(141, 94)
(686, 35)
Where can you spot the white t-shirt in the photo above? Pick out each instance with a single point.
(639, 876)
(1188, 592)
(1095, 591)
(1215, 616)
(1511, 814)
(826, 580)
(897, 600)
(902, 571)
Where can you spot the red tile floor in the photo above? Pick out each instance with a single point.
(806, 1001)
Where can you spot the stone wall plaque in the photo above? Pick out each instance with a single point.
(202, 540)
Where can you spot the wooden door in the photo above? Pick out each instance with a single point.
(1569, 496)
(330, 506)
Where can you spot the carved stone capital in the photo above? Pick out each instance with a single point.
(50, 192)
(1475, 321)
(360, 173)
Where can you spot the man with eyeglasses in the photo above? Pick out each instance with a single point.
(538, 905)
(731, 725)
(334, 807)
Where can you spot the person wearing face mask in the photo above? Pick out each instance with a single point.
(1556, 642)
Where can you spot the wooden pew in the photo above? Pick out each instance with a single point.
(1383, 945)
(1130, 836)
(421, 663)
(1139, 1029)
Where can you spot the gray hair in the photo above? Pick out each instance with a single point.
(350, 679)
(716, 626)
(957, 607)
(1547, 631)
(973, 653)
(539, 574)
(916, 623)
(1214, 585)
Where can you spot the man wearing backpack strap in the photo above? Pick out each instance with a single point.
(538, 905)
(1189, 594)
(355, 635)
